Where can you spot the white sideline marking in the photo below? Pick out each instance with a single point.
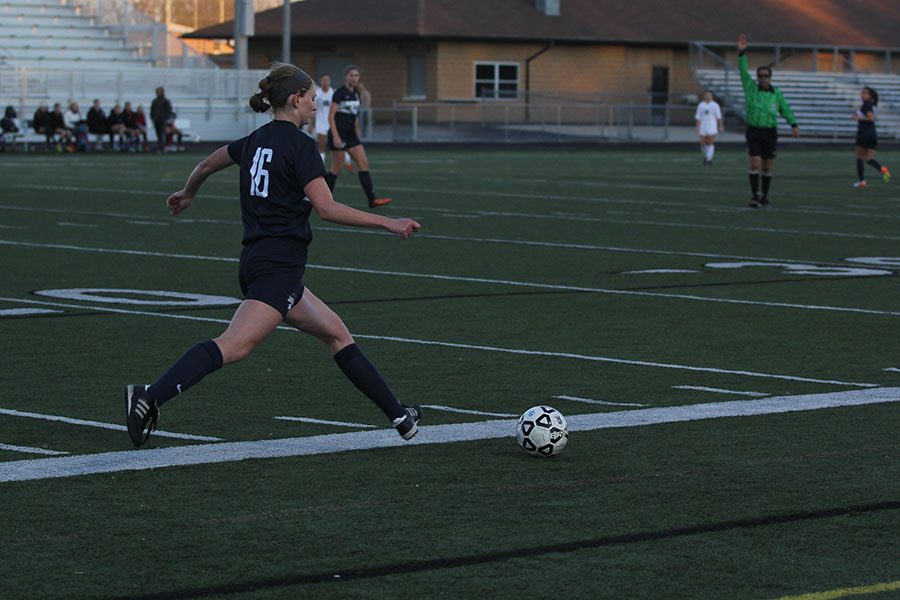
(466, 411)
(601, 402)
(67, 224)
(718, 390)
(402, 340)
(30, 450)
(16, 312)
(894, 369)
(323, 422)
(503, 214)
(102, 425)
(134, 460)
(546, 286)
(655, 271)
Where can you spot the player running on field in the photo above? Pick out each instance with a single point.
(762, 103)
(343, 136)
(709, 124)
(281, 181)
(867, 138)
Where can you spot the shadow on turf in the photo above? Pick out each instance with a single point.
(477, 559)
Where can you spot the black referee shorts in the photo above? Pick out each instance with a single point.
(762, 142)
(867, 139)
(348, 136)
(271, 271)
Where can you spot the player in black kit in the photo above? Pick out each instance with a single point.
(867, 138)
(343, 136)
(281, 181)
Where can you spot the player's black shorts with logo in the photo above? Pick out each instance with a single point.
(867, 139)
(348, 137)
(762, 142)
(271, 271)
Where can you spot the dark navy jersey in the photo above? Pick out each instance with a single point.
(347, 106)
(277, 161)
(866, 126)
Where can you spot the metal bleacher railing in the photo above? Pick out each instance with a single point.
(151, 38)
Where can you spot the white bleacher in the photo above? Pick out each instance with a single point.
(822, 102)
(48, 34)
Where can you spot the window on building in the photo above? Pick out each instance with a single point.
(415, 78)
(496, 80)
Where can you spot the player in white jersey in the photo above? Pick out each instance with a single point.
(709, 124)
(324, 94)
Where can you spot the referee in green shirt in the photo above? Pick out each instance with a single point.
(762, 103)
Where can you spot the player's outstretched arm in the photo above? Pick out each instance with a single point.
(334, 212)
(216, 161)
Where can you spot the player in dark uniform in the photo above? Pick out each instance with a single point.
(343, 136)
(867, 138)
(281, 181)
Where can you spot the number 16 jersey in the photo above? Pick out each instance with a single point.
(276, 162)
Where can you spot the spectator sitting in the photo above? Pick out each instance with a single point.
(96, 122)
(117, 127)
(172, 134)
(131, 128)
(76, 123)
(41, 123)
(58, 128)
(8, 125)
(140, 125)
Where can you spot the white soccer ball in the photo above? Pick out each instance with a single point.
(541, 431)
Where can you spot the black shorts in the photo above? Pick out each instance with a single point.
(762, 142)
(867, 139)
(271, 271)
(348, 136)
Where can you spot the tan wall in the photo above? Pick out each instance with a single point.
(382, 64)
(617, 71)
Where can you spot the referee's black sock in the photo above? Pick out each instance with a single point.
(195, 364)
(766, 183)
(365, 180)
(754, 182)
(368, 380)
(861, 169)
(330, 179)
(874, 164)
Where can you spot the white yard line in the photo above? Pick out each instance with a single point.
(467, 411)
(600, 402)
(139, 460)
(31, 450)
(719, 391)
(102, 425)
(526, 284)
(893, 369)
(18, 312)
(324, 422)
(525, 352)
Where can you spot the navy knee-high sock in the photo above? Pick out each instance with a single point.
(754, 182)
(195, 364)
(875, 164)
(365, 180)
(368, 380)
(861, 169)
(766, 184)
(330, 179)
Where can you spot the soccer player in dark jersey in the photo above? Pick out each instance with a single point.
(867, 138)
(763, 103)
(282, 179)
(343, 136)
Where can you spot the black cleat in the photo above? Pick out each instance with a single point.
(763, 202)
(140, 413)
(755, 203)
(408, 426)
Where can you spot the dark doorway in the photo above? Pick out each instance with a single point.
(659, 95)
